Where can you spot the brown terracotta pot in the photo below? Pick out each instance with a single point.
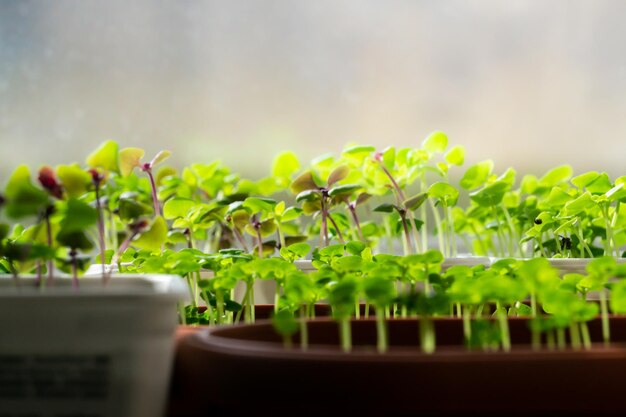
(245, 369)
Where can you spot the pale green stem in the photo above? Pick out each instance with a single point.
(604, 313)
(505, 338)
(345, 334)
(304, 331)
(584, 331)
(381, 330)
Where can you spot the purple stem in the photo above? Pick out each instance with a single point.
(400, 194)
(324, 230)
(356, 221)
(240, 239)
(155, 198)
(336, 228)
(114, 260)
(260, 240)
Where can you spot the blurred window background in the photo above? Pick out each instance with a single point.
(530, 84)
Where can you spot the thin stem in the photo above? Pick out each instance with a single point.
(101, 232)
(584, 331)
(609, 243)
(125, 244)
(505, 338)
(240, 239)
(501, 240)
(407, 236)
(345, 334)
(281, 235)
(74, 261)
(355, 218)
(427, 334)
(447, 248)
(467, 324)
(424, 214)
(381, 330)
(604, 313)
(50, 262)
(438, 224)
(219, 304)
(396, 187)
(615, 251)
(452, 232)
(585, 247)
(324, 228)
(479, 240)
(304, 331)
(574, 335)
(339, 235)
(560, 338)
(414, 231)
(155, 198)
(259, 239)
(550, 339)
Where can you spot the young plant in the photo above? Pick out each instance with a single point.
(317, 199)
(130, 158)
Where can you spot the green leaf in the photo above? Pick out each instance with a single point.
(386, 208)
(303, 182)
(529, 184)
(105, 157)
(491, 195)
(456, 155)
(177, 207)
(359, 149)
(435, 142)
(159, 157)
(76, 239)
(476, 175)
(379, 290)
(600, 185)
(346, 189)
(389, 157)
(75, 180)
(580, 204)
(291, 214)
(78, 216)
(268, 227)
(338, 174)
(285, 165)
(415, 202)
(308, 195)
(362, 198)
(355, 247)
(129, 159)
(618, 297)
(23, 198)
(153, 238)
(444, 192)
(300, 249)
(557, 175)
(285, 323)
(557, 198)
(356, 155)
(260, 205)
(582, 180)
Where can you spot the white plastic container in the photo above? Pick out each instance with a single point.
(465, 261)
(95, 351)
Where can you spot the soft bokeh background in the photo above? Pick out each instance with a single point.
(527, 83)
